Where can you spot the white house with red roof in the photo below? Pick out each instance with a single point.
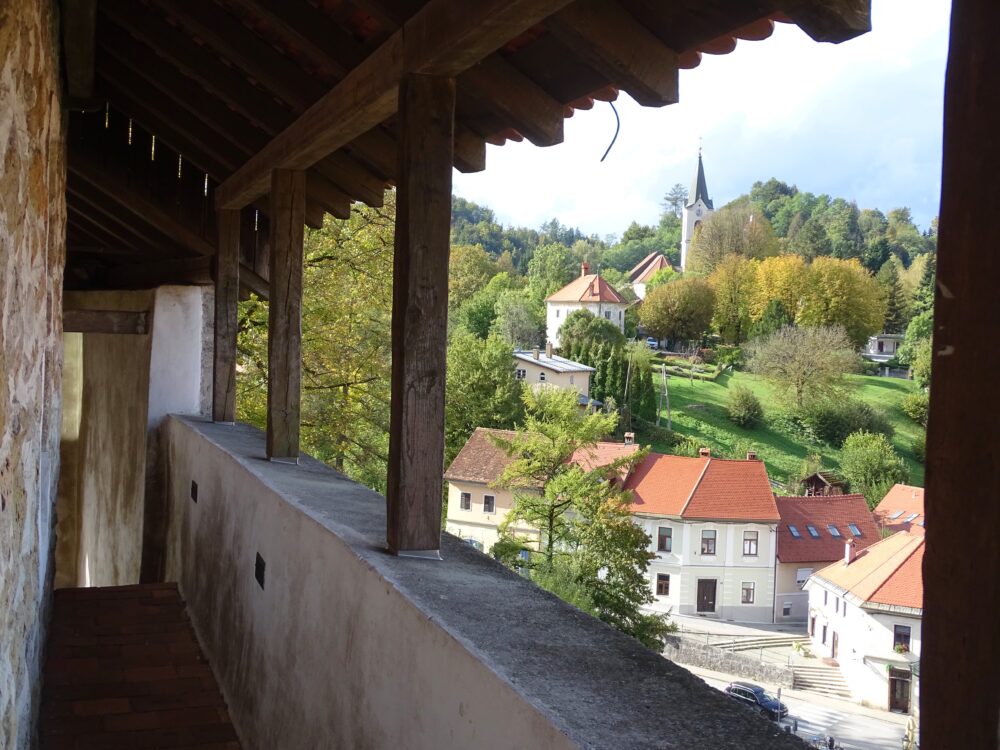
(644, 271)
(811, 535)
(713, 525)
(865, 613)
(586, 292)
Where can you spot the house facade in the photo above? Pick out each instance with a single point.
(811, 535)
(882, 347)
(586, 292)
(712, 524)
(865, 613)
(543, 368)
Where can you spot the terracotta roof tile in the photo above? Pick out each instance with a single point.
(902, 509)
(702, 488)
(588, 288)
(639, 267)
(658, 264)
(822, 512)
(888, 572)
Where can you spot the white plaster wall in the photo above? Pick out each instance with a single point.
(475, 523)
(329, 654)
(579, 381)
(690, 219)
(176, 367)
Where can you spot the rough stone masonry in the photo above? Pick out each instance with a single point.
(32, 248)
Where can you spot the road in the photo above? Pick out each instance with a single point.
(853, 727)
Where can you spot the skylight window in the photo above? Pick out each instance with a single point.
(812, 531)
(834, 531)
(921, 523)
(895, 515)
(854, 529)
(909, 519)
(794, 531)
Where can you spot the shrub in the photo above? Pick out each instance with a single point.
(793, 424)
(915, 407)
(728, 356)
(832, 420)
(871, 465)
(920, 448)
(707, 356)
(870, 368)
(744, 408)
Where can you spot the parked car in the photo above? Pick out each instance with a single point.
(757, 698)
(652, 343)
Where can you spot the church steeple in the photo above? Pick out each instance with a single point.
(698, 188)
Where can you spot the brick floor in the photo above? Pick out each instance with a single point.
(124, 670)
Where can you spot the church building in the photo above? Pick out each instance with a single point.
(698, 208)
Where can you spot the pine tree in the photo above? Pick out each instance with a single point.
(923, 297)
(896, 313)
(775, 317)
(596, 355)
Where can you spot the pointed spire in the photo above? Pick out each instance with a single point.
(698, 188)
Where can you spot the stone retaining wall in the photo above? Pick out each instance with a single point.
(685, 650)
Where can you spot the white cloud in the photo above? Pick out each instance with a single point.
(860, 120)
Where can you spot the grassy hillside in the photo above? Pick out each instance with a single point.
(698, 410)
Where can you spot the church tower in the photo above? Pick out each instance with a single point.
(698, 208)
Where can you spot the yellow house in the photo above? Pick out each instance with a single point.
(543, 368)
(476, 508)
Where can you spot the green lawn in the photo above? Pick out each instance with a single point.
(698, 410)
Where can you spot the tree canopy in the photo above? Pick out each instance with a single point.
(678, 310)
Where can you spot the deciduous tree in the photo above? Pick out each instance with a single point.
(871, 465)
(782, 278)
(678, 310)
(731, 229)
(582, 327)
(733, 281)
(842, 292)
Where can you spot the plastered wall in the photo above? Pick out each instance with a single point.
(32, 248)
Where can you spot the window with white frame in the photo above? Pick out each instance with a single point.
(801, 576)
(520, 374)
(607, 314)
(662, 584)
(708, 542)
(571, 380)
(786, 609)
(489, 504)
(750, 544)
(664, 539)
(465, 501)
(748, 590)
(541, 377)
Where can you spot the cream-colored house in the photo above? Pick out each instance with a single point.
(712, 524)
(811, 535)
(586, 292)
(543, 368)
(476, 508)
(865, 612)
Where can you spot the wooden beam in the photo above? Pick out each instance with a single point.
(105, 321)
(78, 24)
(420, 314)
(444, 37)
(150, 274)
(284, 320)
(959, 700)
(227, 286)
(830, 20)
(520, 101)
(613, 43)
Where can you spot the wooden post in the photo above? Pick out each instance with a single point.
(284, 320)
(420, 314)
(227, 288)
(959, 700)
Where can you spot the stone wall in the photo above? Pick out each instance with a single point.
(688, 651)
(32, 247)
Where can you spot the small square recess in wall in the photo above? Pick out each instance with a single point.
(194, 490)
(258, 571)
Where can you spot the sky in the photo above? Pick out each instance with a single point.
(859, 120)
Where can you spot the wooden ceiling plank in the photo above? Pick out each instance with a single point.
(526, 106)
(147, 275)
(138, 205)
(613, 43)
(103, 213)
(445, 37)
(95, 228)
(78, 36)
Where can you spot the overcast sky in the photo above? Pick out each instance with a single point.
(859, 120)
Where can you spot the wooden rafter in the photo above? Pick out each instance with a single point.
(445, 38)
(78, 31)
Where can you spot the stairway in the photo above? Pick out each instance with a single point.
(124, 670)
(739, 643)
(820, 678)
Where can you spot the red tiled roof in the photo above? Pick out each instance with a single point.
(702, 488)
(904, 502)
(886, 573)
(658, 263)
(733, 489)
(639, 267)
(587, 288)
(822, 512)
(482, 460)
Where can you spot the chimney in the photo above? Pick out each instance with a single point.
(705, 452)
(751, 455)
(548, 349)
(584, 268)
(534, 353)
(849, 552)
(629, 438)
